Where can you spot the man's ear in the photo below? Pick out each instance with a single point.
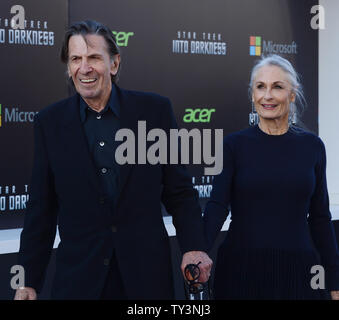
(69, 72)
(115, 63)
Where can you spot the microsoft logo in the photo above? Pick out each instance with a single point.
(258, 46)
(15, 115)
(255, 46)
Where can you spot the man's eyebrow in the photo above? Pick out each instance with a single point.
(95, 54)
(92, 55)
(74, 55)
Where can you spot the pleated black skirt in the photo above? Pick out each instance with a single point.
(265, 274)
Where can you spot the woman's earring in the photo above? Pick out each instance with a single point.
(294, 119)
(253, 117)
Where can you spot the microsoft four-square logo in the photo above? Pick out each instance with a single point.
(255, 46)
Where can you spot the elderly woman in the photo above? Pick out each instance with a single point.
(274, 182)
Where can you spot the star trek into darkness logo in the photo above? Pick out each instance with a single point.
(201, 43)
(203, 185)
(16, 30)
(13, 198)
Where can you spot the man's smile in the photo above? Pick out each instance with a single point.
(86, 81)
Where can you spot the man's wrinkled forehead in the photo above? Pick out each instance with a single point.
(88, 42)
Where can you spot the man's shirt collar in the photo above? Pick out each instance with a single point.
(111, 104)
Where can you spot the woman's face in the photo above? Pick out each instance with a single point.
(272, 93)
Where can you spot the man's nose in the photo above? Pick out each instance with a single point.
(85, 67)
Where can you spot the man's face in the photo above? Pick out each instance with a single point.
(91, 67)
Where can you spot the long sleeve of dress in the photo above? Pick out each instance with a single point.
(321, 227)
(216, 210)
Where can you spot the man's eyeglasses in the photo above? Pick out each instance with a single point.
(192, 274)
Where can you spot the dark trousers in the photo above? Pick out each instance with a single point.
(114, 287)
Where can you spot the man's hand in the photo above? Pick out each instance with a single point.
(25, 293)
(335, 295)
(195, 257)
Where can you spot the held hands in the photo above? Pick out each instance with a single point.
(25, 293)
(195, 257)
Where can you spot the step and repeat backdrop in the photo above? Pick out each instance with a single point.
(32, 77)
(198, 53)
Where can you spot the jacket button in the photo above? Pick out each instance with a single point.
(106, 262)
(114, 229)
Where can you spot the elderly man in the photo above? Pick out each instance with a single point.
(113, 241)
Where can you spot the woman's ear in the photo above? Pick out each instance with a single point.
(293, 95)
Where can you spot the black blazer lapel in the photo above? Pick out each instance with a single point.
(75, 143)
(128, 120)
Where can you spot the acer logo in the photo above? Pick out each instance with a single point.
(198, 115)
(122, 38)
